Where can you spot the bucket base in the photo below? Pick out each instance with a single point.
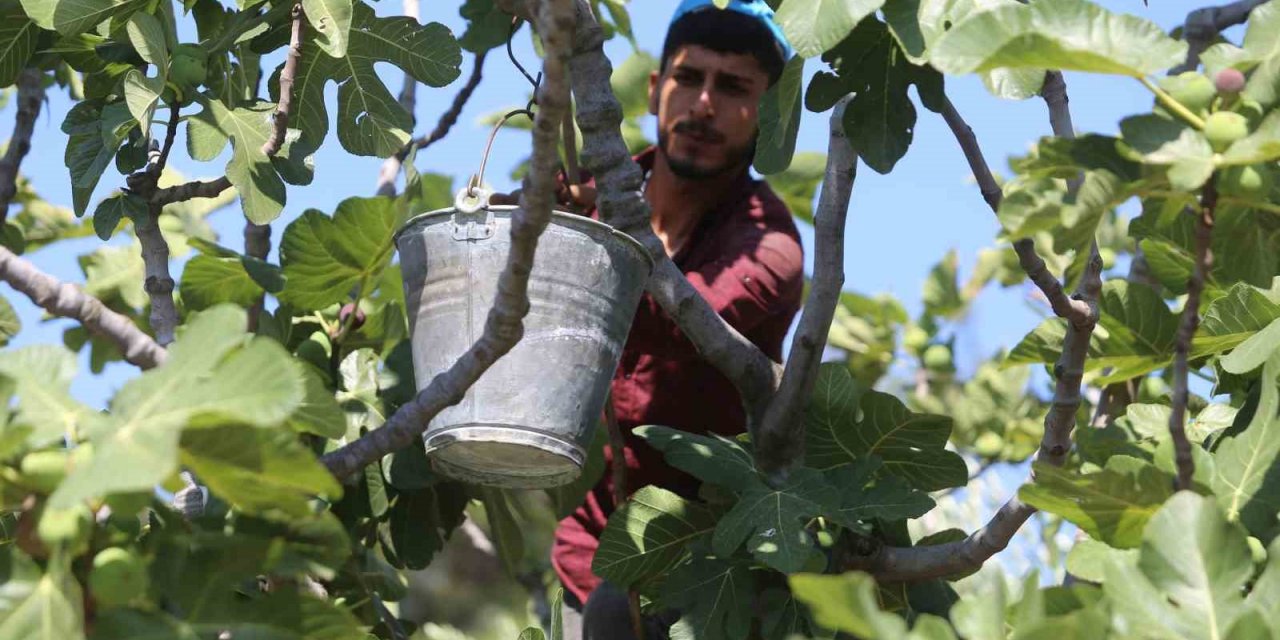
(504, 456)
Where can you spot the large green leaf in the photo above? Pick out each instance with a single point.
(95, 134)
(714, 597)
(779, 120)
(1234, 318)
(846, 426)
(36, 606)
(212, 378)
(422, 520)
(70, 17)
(772, 521)
(1112, 505)
(861, 499)
(1071, 35)
(258, 471)
(325, 258)
(799, 183)
(648, 536)
(319, 412)
(1158, 140)
(487, 25)
(371, 121)
(847, 602)
(209, 280)
(10, 324)
(815, 26)
(1190, 575)
(331, 20)
(18, 34)
(710, 458)
(1247, 479)
(1252, 353)
(1262, 145)
(42, 376)
(262, 191)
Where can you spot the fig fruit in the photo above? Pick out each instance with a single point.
(1223, 128)
(1229, 81)
(988, 445)
(118, 577)
(43, 470)
(915, 339)
(189, 67)
(938, 358)
(1253, 181)
(1192, 89)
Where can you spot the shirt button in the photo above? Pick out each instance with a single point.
(627, 376)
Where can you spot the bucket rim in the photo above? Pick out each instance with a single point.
(556, 214)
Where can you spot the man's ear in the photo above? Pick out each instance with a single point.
(653, 93)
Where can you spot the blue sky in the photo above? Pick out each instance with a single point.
(899, 225)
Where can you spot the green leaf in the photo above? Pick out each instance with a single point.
(1071, 35)
(422, 520)
(847, 603)
(772, 522)
(10, 324)
(1089, 558)
(1246, 479)
(147, 37)
(1262, 145)
(109, 212)
(780, 120)
(532, 633)
(888, 499)
(504, 529)
(1189, 578)
(331, 20)
(1265, 595)
(799, 183)
(371, 121)
(1162, 141)
(141, 95)
(19, 33)
(95, 135)
(319, 412)
(207, 281)
(70, 17)
(42, 376)
(714, 597)
(649, 536)
(262, 192)
(630, 82)
(1252, 353)
(814, 26)
(211, 378)
(35, 606)
(487, 25)
(258, 471)
(710, 458)
(843, 426)
(324, 258)
(1112, 505)
(1234, 318)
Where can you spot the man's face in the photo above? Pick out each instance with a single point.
(707, 107)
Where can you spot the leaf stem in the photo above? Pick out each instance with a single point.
(1173, 105)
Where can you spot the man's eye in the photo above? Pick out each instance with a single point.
(686, 79)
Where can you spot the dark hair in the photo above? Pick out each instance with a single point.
(725, 31)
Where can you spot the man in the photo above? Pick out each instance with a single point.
(736, 243)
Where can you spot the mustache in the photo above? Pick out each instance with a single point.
(700, 129)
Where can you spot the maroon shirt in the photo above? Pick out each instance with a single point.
(745, 259)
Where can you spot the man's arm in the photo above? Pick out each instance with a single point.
(762, 276)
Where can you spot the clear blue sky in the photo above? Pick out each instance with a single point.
(899, 224)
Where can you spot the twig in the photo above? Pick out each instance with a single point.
(606, 156)
(30, 95)
(504, 327)
(783, 428)
(618, 468)
(1187, 330)
(189, 190)
(257, 244)
(450, 117)
(66, 300)
(170, 134)
(280, 119)
(917, 563)
(1203, 26)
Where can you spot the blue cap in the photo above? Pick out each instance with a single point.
(756, 9)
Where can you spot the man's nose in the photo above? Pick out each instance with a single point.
(704, 106)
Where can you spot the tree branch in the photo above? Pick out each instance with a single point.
(918, 563)
(257, 244)
(67, 301)
(280, 119)
(504, 327)
(782, 430)
(189, 190)
(30, 95)
(1187, 330)
(1203, 26)
(622, 205)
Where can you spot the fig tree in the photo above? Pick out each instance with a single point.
(1223, 128)
(118, 577)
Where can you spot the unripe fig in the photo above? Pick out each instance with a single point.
(1192, 89)
(43, 470)
(1108, 257)
(128, 504)
(1229, 81)
(1253, 181)
(118, 577)
(988, 445)
(1256, 550)
(70, 527)
(915, 339)
(1223, 128)
(189, 67)
(937, 358)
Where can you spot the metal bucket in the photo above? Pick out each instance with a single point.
(527, 421)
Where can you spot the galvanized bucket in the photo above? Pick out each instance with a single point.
(527, 421)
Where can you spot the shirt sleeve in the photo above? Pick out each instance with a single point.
(761, 276)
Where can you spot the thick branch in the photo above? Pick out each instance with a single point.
(1203, 26)
(782, 431)
(158, 283)
(257, 244)
(65, 300)
(504, 327)
(30, 95)
(1187, 330)
(622, 205)
(918, 563)
(189, 190)
(280, 120)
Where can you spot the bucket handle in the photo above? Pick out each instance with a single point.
(469, 201)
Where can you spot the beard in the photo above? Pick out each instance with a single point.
(735, 158)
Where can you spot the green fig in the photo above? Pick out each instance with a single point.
(118, 577)
(1223, 128)
(988, 445)
(1252, 181)
(1192, 89)
(189, 67)
(43, 470)
(937, 358)
(915, 339)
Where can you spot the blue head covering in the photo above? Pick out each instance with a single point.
(756, 9)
